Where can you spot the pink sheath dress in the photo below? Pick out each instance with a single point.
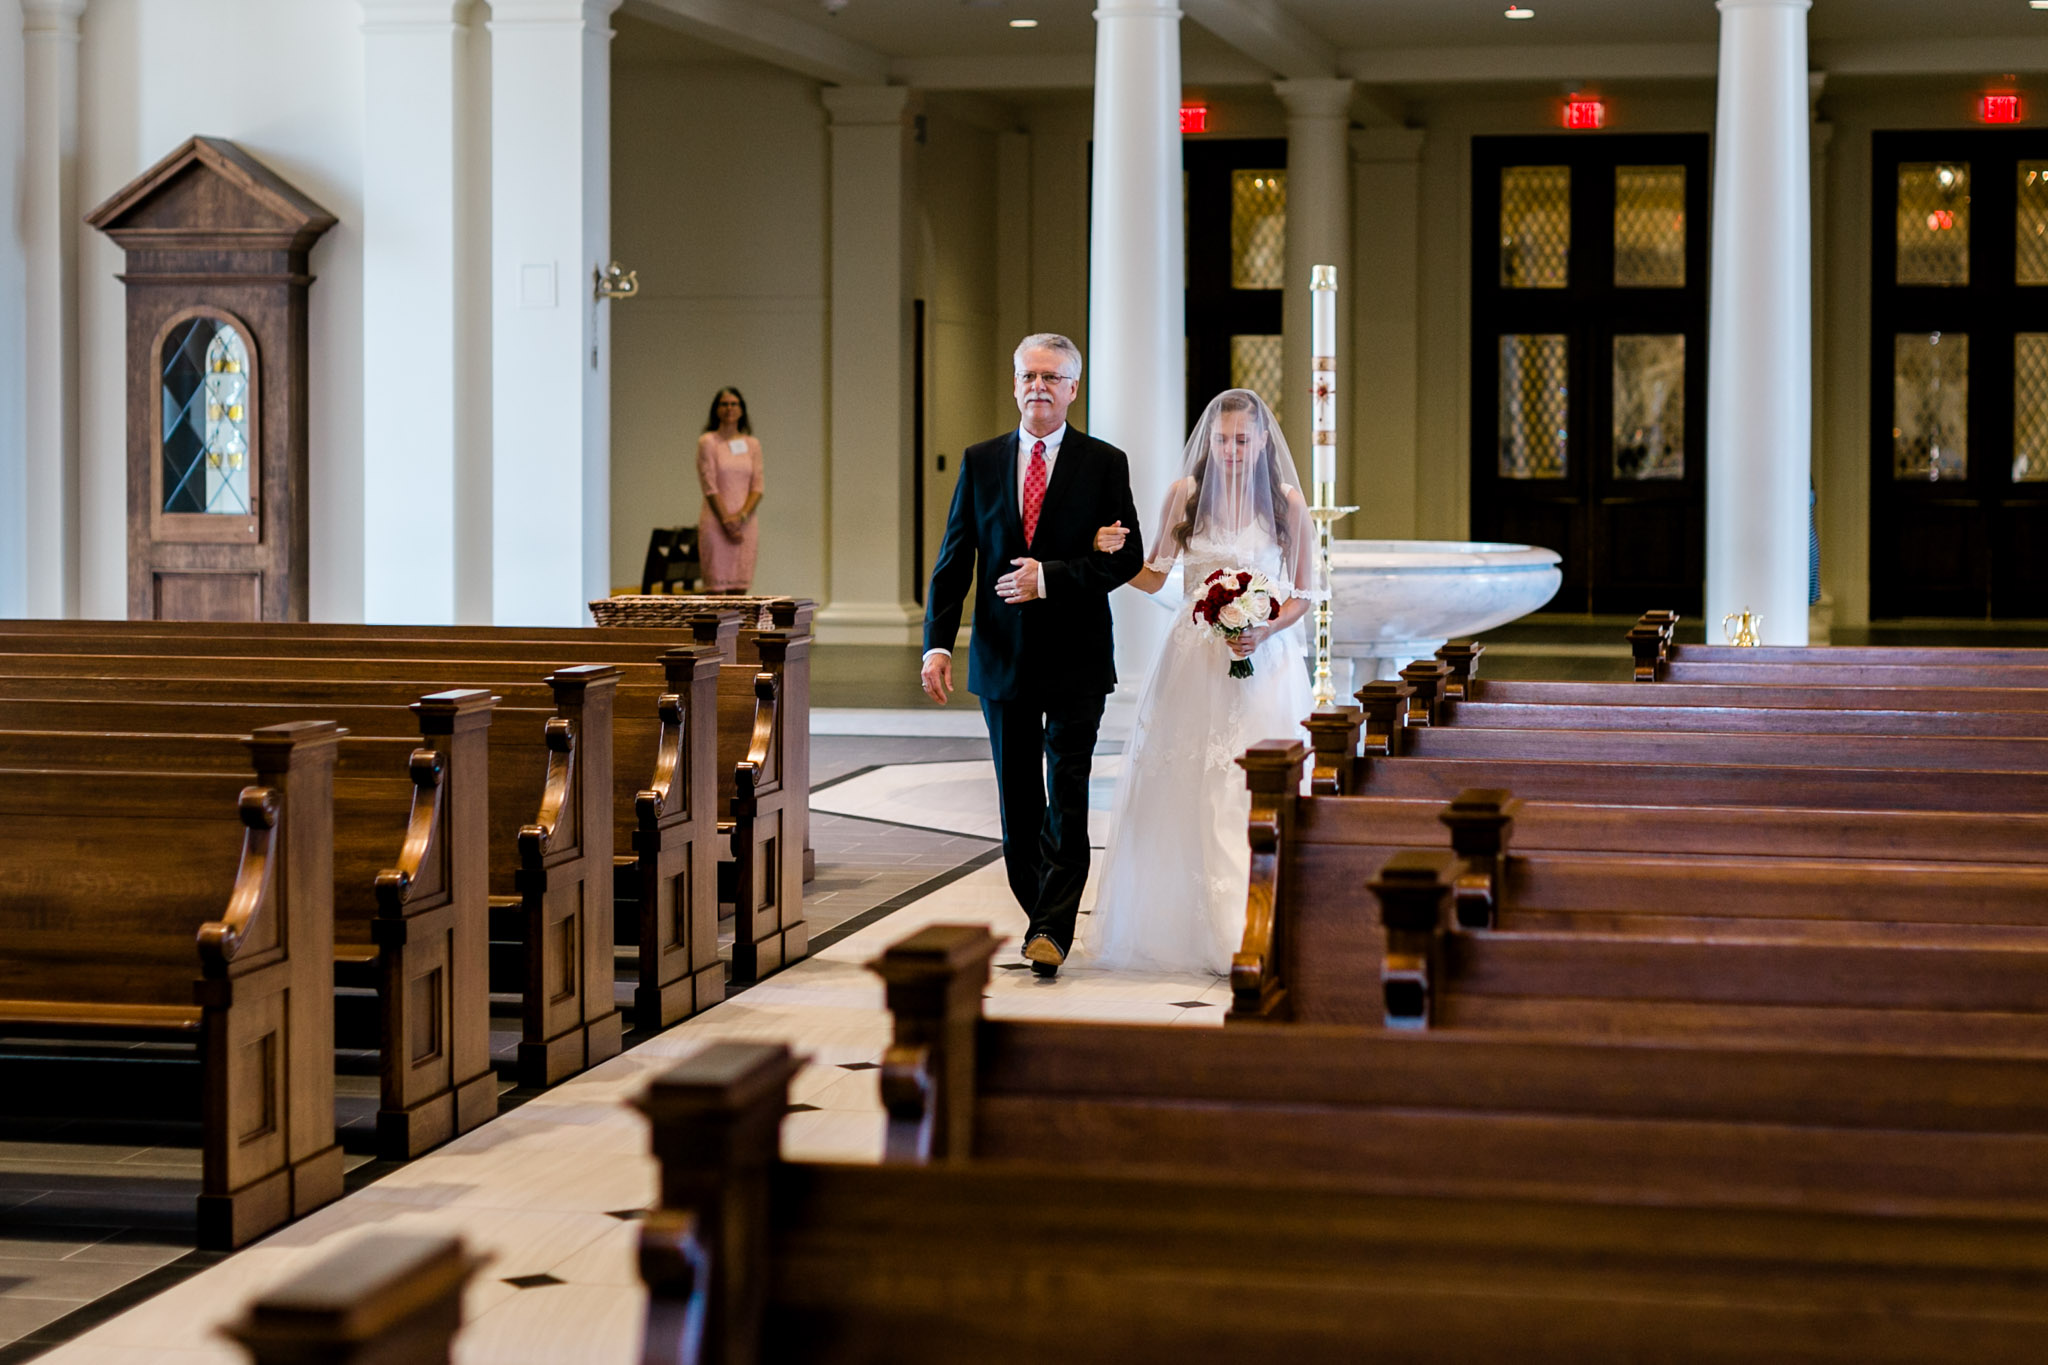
(734, 476)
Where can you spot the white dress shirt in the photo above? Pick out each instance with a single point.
(1025, 440)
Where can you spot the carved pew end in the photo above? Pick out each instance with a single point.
(1430, 704)
(1413, 888)
(1480, 820)
(1461, 657)
(385, 1297)
(1384, 703)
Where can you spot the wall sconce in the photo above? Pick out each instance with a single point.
(614, 282)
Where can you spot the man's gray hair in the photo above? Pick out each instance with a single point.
(1049, 341)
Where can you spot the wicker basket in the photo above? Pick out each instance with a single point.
(662, 610)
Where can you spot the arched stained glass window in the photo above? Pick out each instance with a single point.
(206, 415)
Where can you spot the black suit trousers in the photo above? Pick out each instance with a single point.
(1043, 751)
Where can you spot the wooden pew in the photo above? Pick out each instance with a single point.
(717, 621)
(192, 907)
(550, 832)
(408, 861)
(1769, 1122)
(770, 816)
(386, 1298)
(1014, 1261)
(1313, 952)
(1657, 656)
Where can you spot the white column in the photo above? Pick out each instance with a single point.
(1318, 233)
(413, 245)
(50, 231)
(550, 341)
(1137, 349)
(1759, 357)
(874, 183)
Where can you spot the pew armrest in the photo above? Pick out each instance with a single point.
(676, 1267)
(417, 853)
(252, 913)
(755, 775)
(1258, 982)
(557, 802)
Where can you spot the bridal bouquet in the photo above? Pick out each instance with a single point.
(1237, 600)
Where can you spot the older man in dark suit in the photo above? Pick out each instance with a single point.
(1042, 659)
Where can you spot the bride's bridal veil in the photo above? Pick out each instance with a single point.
(1238, 485)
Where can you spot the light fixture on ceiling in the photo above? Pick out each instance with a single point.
(2037, 4)
(832, 7)
(1023, 23)
(1520, 12)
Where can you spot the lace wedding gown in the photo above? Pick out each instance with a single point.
(1172, 891)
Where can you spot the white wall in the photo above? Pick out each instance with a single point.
(283, 79)
(967, 371)
(719, 201)
(13, 321)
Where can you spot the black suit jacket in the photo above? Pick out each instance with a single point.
(1058, 645)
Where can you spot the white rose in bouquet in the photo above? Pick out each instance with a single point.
(1258, 606)
(1233, 616)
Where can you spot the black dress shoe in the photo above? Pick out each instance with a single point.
(1045, 970)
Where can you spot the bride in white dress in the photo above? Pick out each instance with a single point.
(1171, 896)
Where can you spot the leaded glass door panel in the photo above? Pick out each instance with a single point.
(1959, 374)
(1588, 361)
(1236, 206)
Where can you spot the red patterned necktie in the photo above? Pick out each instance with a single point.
(1034, 490)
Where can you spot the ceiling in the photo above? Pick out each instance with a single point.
(930, 42)
(925, 28)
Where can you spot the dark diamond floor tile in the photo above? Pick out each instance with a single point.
(858, 1066)
(1189, 1004)
(532, 1281)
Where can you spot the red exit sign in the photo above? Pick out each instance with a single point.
(2004, 106)
(1585, 113)
(1194, 118)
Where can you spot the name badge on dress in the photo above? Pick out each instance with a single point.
(737, 445)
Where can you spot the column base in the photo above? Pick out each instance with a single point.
(868, 623)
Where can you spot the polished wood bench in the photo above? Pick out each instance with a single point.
(1014, 1261)
(192, 907)
(408, 859)
(762, 753)
(550, 829)
(715, 621)
(385, 1298)
(1764, 1122)
(1315, 951)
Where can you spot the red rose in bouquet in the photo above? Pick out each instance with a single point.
(1237, 600)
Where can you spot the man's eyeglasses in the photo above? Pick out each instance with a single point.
(1047, 378)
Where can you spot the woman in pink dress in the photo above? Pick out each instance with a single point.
(729, 469)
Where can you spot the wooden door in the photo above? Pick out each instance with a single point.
(1589, 291)
(1959, 374)
(1236, 204)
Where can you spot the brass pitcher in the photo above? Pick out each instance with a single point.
(1744, 628)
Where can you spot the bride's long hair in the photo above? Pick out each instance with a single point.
(1229, 497)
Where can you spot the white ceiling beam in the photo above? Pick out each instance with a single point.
(1053, 71)
(1267, 34)
(1988, 57)
(1532, 62)
(753, 30)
